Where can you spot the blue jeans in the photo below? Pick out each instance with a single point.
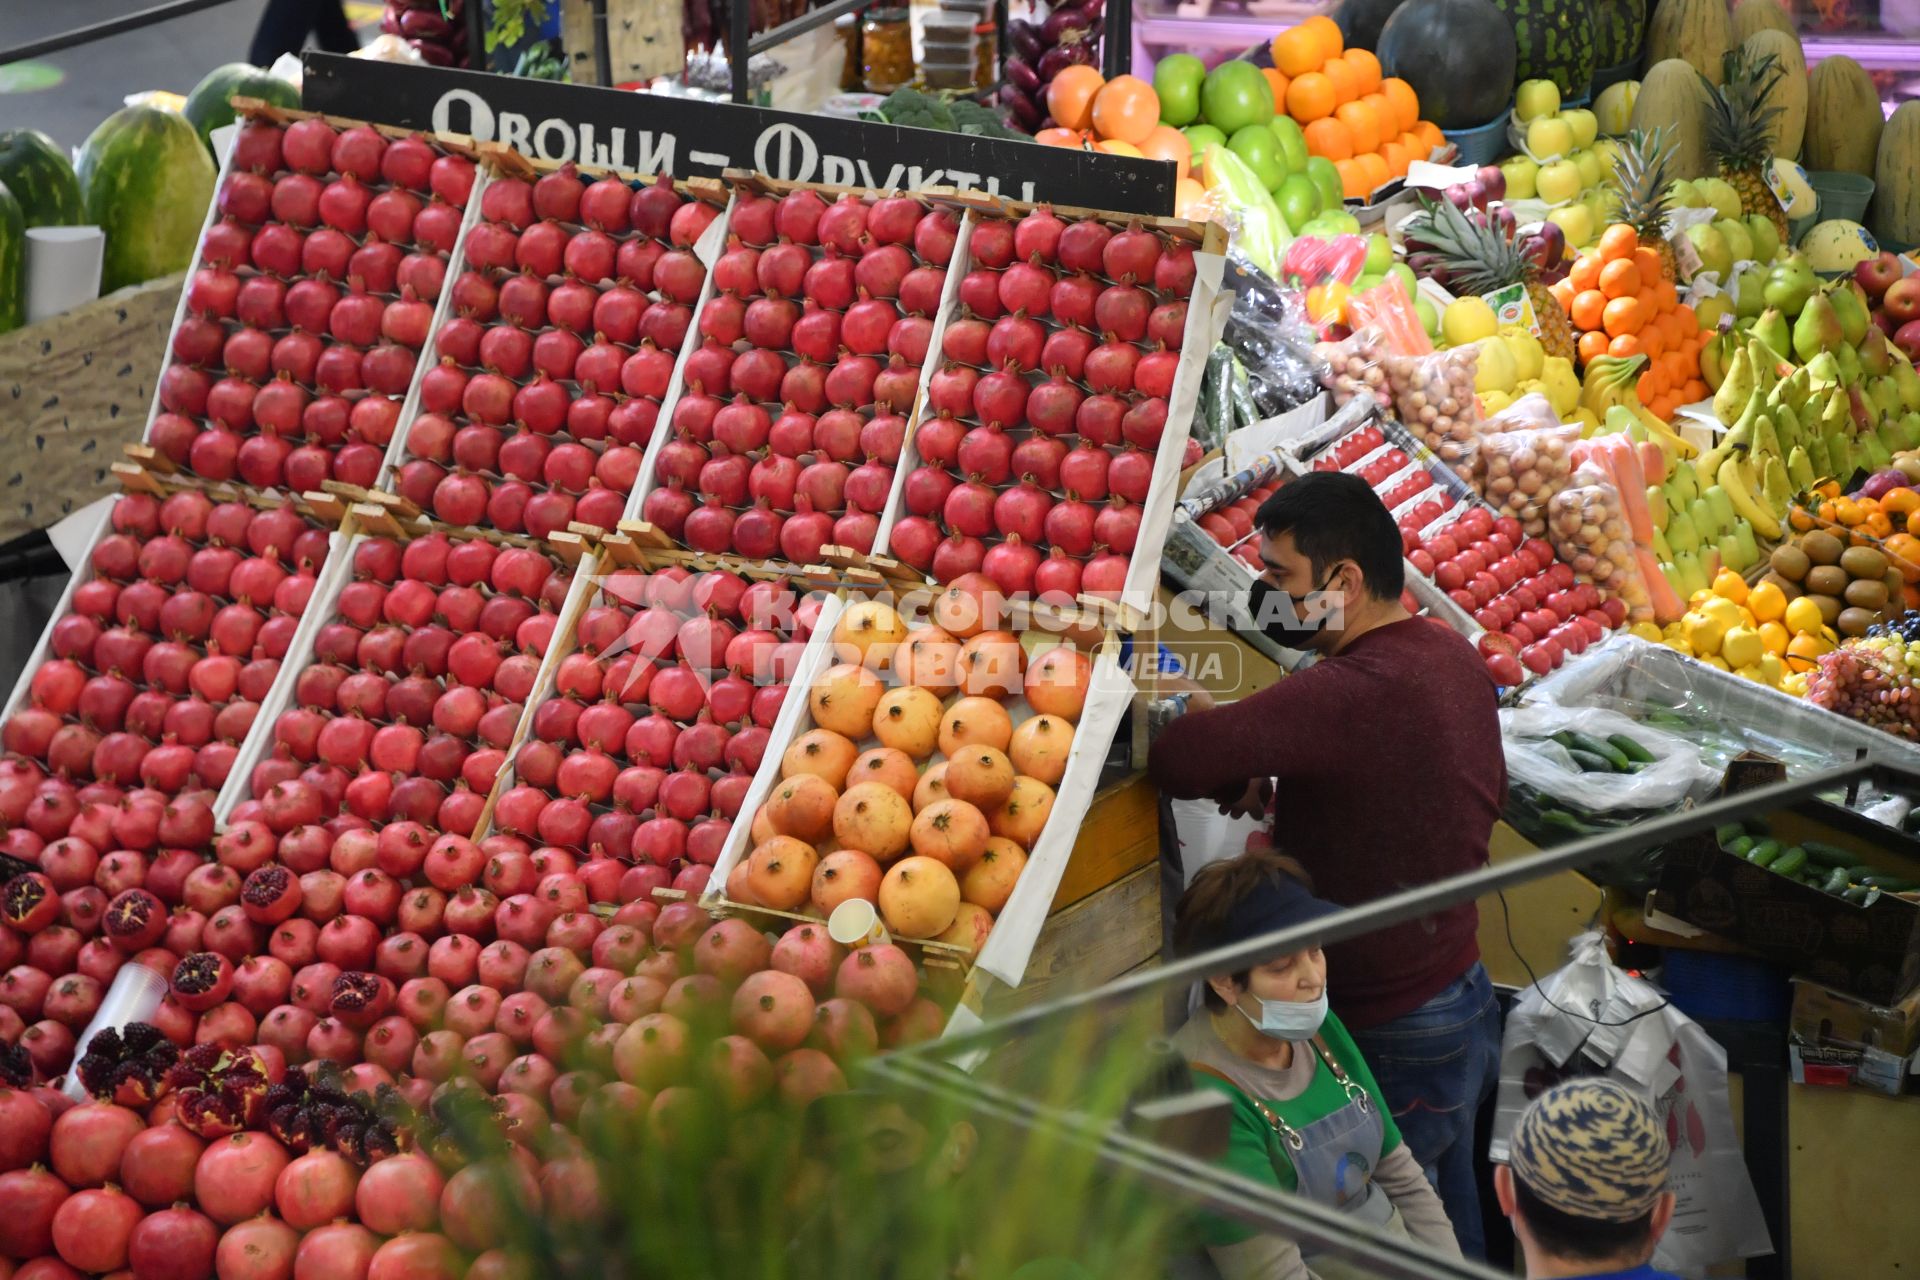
(1435, 1066)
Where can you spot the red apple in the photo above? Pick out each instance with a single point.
(1875, 274)
(1902, 300)
(1907, 338)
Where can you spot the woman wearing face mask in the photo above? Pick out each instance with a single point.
(1307, 1115)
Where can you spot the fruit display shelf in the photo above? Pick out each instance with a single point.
(413, 678)
(859, 768)
(296, 345)
(986, 462)
(571, 300)
(154, 664)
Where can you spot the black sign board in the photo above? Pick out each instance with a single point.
(649, 133)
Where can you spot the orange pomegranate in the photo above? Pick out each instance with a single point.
(821, 752)
(970, 927)
(1040, 746)
(761, 829)
(931, 787)
(873, 819)
(989, 882)
(919, 898)
(1125, 110)
(884, 764)
(737, 889)
(1057, 682)
(802, 806)
(970, 604)
(867, 634)
(844, 874)
(990, 664)
(930, 658)
(980, 775)
(844, 698)
(908, 719)
(974, 722)
(780, 873)
(1023, 815)
(952, 832)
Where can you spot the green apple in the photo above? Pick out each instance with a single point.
(1591, 170)
(1715, 253)
(1559, 181)
(1534, 99)
(1176, 81)
(1293, 143)
(1709, 310)
(1576, 222)
(1235, 95)
(1686, 195)
(1549, 136)
(1521, 174)
(1334, 222)
(1766, 241)
(1721, 195)
(1200, 137)
(1404, 274)
(1327, 178)
(1739, 241)
(1379, 254)
(1585, 125)
(1429, 317)
(1367, 280)
(1298, 198)
(1260, 150)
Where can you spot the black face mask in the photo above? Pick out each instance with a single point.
(1292, 624)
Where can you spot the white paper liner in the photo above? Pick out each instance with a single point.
(63, 269)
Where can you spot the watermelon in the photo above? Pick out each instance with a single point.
(1457, 54)
(1360, 21)
(13, 262)
(1617, 28)
(147, 179)
(41, 179)
(210, 105)
(1553, 40)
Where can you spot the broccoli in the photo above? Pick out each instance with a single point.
(914, 109)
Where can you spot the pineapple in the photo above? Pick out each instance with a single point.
(1642, 170)
(1478, 257)
(1739, 130)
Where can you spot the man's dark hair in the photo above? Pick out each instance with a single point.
(1332, 517)
(1581, 1239)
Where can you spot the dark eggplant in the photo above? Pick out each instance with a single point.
(1025, 38)
(1022, 75)
(1026, 115)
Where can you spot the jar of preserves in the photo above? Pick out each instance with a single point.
(886, 50)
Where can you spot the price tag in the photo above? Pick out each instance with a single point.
(1685, 256)
(1511, 305)
(1776, 185)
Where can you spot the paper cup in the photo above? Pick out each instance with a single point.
(63, 269)
(855, 923)
(136, 992)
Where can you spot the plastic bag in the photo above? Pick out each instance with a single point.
(1433, 397)
(1245, 208)
(1588, 528)
(1521, 471)
(1324, 270)
(1387, 310)
(1677, 773)
(1268, 330)
(1355, 366)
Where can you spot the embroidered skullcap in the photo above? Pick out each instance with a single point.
(1591, 1149)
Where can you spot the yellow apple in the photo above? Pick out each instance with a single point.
(1585, 125)
(1536, 98)
(1559, 181)
(1549, 136)
(1521, 174)
(1591, 170)
(1576, 222)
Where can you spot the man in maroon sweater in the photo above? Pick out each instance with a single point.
(1383, 768)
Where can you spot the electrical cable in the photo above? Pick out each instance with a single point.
(1506, 917)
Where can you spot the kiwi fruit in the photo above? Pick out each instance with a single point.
(1822, 547)
(1867, 593)
(1826, 580)
(1829, 607)
(1864, 562)
(1854, 622)
(1790, 562)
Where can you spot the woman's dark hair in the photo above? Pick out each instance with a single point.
(1332, 517)
(1216, 890)
(1581, 1239)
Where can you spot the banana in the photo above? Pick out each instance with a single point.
(1738, 437)
(1738, 483)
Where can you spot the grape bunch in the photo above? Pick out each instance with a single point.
(1872, 681)
(1906, 627)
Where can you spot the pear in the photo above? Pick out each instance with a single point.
(1771, 328)
(1885, 397)
(1850, 305)
(1875, 357)
(1766, 241)
(1909, 383)
(1817, 329)
(1800, 469)
(1823, 371)
(1735, 390)
(1849, 361)
(1910, 431)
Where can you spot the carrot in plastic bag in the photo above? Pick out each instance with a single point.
(1633, 488)
(1387, 308)
(1667, 605)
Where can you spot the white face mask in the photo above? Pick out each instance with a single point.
(1288, 1019)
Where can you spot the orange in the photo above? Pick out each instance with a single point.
(1168, 143)
(1644, 296)
(1383, 112)
(1687, 317)
(1327, 33)
(1057, 137)
(1070, 96)
(1429, 133)
(1398, 158)
(1588, 307)
(1189, 197)
(1366, 66)
(1126, 109)
(1353, 179)
(1618, 241)
(1619, 278)
(1278, 83)
(1665, 296)
(1329, 138)
(1562, 291)
(1345, 80)
(1624, 347)
(1415, 146)
(1676, 366)
(1649, 263)
(1406, 103)
(1585, 272)
(1362, 124)
(1651, 342)
(1310, 97)
(1621, 317)
(1296, 51)
(1592, 347)
(1374, 166)
(1115, 147)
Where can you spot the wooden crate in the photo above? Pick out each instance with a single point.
(643, 40)
(1104, 935)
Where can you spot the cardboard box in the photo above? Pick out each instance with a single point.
(1824, 1016)
(1870, 952)
(1843, 1067)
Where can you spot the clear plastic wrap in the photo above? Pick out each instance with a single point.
(1387, 310)
(1324, 271)
(1521, 471)
(1356, 365)
(1268, 330)
(1433, 397)
(1588, 528)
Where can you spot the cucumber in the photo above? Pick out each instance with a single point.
(1857, 894)
(1588, 762)
(1727, 832)
(1240, 394)
(1836, 881)
(1790, 862)
(1739, 847)
(1216, 410)
(1892, 884)
(1629, 748)
(1574, 740)
(1873, 895)
(1765, 853)
(1827, 855)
